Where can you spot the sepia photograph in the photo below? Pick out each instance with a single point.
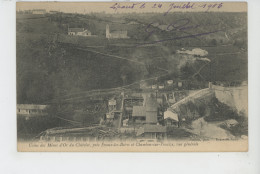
(132, 76)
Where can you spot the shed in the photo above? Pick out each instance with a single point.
(179, 84)
(75, 31)
(139, 114)
(154, 86)
(31, 109)
(125, 122)
(112, 102)
(138, 111)
(171, 115)
(86, 33)
(169, 82)
(110, 115)
(151, 108)
(152, 131)
(161, 86)
(171, 118)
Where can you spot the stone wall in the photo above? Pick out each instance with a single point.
(235, 97)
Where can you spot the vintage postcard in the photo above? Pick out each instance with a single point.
(132, 76)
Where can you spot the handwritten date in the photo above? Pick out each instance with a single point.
(166, 7)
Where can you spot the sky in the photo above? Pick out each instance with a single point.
(138, 7)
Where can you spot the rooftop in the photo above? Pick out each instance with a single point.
(86, 31)
(31, 106)
(151, 104)
(118, 32)
(138, 111)
(169, 114)
(149, 128)
(39, 10)
(76, 29)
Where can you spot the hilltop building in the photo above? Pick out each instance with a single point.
(78, 32)
(54, 12)
(116, 34)
(31, 110)
(38, 11)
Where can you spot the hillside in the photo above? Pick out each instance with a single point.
(51, 65)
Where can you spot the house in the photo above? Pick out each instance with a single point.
(161, 86)
(170, 82)
(116, 34)
(171, 118)
(230, 123)
(31, 110)
(195, 52)
(110, 115)
(112, 102)
(112, 112)
(149, 131)
(75, 31)
(148, 113)
(151, 109)
(139, 114)
(78, 32)
(85, 33)
(111, 105)
(179, 84)
(27, 11)
(38, 11)
(171, 98)
(154, 86)
(125, 122)
(54, 12)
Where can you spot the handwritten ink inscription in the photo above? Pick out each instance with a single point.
(184, 24)
(181, 25)
(167, 7)
(206, 6)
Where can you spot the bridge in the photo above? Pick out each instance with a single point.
(199, 94)
(234, 97)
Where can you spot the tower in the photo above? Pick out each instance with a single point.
(107, 31)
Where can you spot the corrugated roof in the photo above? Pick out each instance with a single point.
(76, 29)
(31, 106)
(151, 117)
(138, 111)
(151, 104)
(150, 128)
(154, 128)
